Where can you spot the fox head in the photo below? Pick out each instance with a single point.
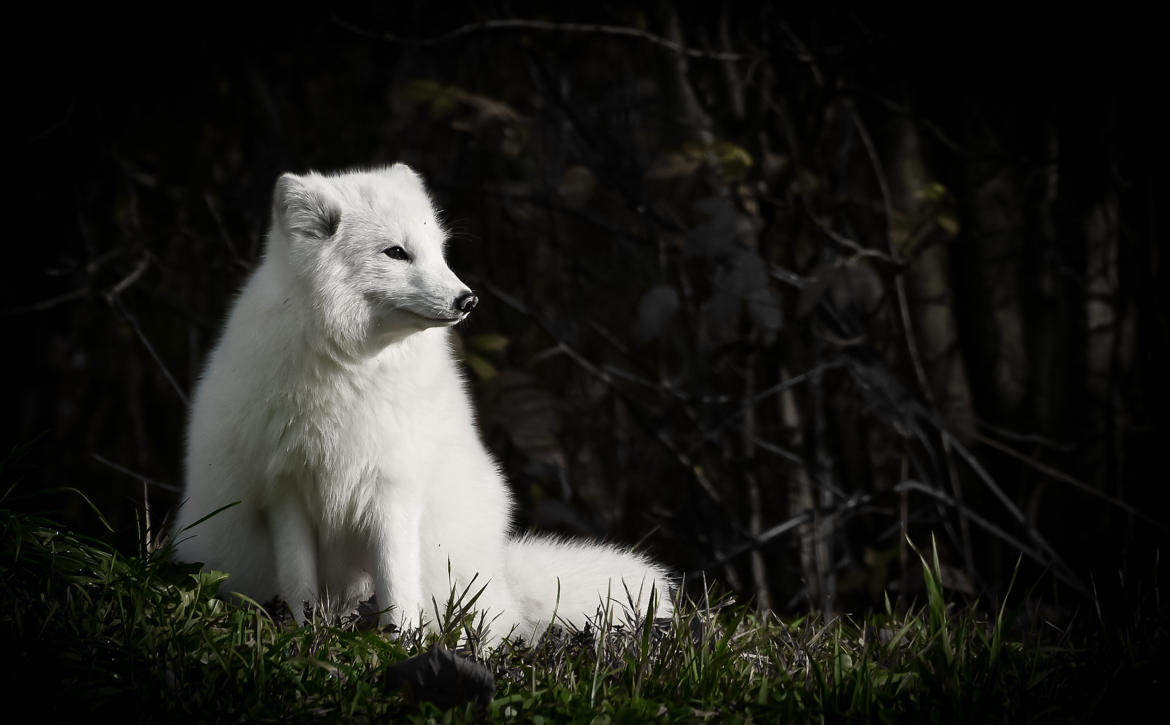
(366, 250)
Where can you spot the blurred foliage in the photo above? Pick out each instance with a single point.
(763, 305)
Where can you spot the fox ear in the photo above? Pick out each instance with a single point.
(301, 206)
(402, 171)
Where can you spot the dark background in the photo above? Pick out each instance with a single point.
(876, 274)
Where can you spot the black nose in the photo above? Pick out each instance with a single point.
(466, 303)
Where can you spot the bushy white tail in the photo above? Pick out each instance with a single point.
(575, 580)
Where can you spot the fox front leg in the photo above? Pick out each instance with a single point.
(397, 556)
(294, 544)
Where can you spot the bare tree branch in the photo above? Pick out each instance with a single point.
(603, 375)
(135, 475)
(116, 302)
(1067, 479)
(544, 26)
(1014, 510)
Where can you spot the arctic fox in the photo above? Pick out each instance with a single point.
(333, 411)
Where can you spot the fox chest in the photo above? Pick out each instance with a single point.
(342, 459)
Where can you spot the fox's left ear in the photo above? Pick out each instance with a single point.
(402, 171)
(303, 206)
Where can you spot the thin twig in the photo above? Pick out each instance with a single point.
(774, 449)
(912, 342)
(129, 279)
(603, 375)
(991, 528)
(764, 537)
(899, 279)
(55, 126)
(787, 276)
(1065, 478)
(133, 474)
(1014, 510)
(541, 26)
(964, 511)
(855, 247)
(853, 502)
(224, 235)
(1033, 438)
(768, 392)
(804, 55)
(796, 380)
(116, 302)
(49, 303)
(904, 110)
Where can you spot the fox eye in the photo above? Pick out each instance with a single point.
(396, 253)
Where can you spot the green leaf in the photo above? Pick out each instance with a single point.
(490, 342)
(210, 580)
(479, 365)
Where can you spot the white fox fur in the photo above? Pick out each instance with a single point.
(334, 412)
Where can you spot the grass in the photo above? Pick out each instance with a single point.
(87, 630)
